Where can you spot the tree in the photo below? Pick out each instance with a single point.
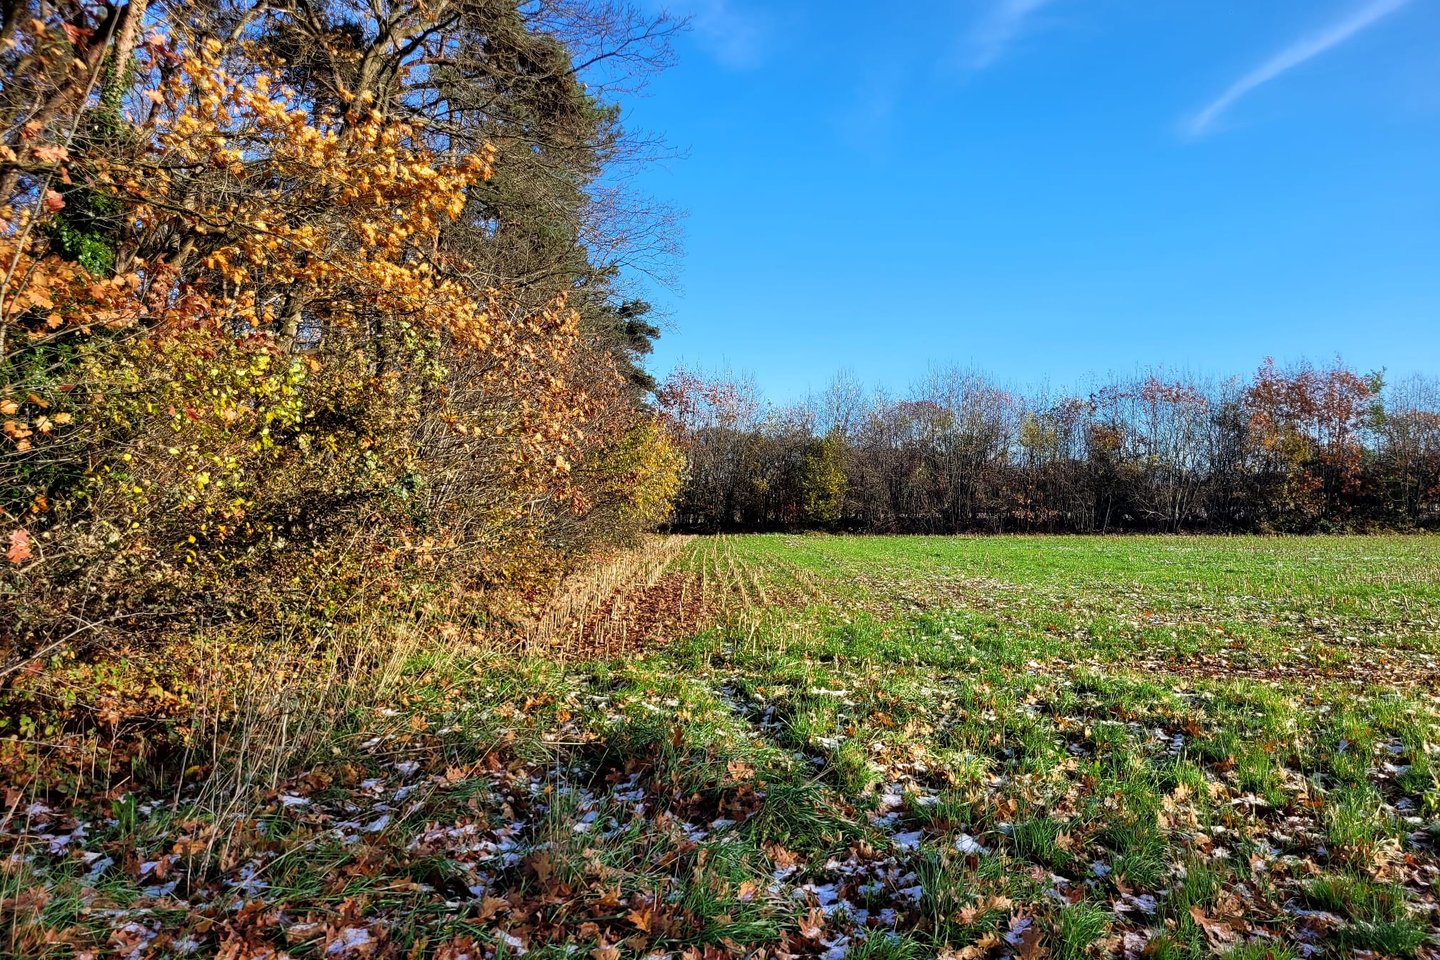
(1408, 455)
(823, 481)
(296, 351)
(1309, 425)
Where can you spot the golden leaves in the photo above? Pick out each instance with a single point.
(18, 432)
(303, 228)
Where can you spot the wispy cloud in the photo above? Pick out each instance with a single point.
(734, 35)
(1304, 49)
(1005, 23)
(867, 121)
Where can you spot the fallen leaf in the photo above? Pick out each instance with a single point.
(19, 550)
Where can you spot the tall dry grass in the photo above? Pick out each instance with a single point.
(266, 705)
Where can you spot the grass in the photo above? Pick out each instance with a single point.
(875, 747)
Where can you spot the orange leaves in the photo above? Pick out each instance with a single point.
(19, 546)
(641, 917)
(812, 925)
(51, 153)
(349, 204)
(53, 297)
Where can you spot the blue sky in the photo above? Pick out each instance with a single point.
(1048, 189)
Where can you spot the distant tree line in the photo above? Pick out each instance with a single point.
(1303, 448)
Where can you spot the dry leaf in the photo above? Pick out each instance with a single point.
(19, 550)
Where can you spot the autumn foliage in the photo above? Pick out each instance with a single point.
(1297, 449)
(256, 368)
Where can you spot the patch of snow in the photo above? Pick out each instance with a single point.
(968, 844)
(908, 841)
(348, 939)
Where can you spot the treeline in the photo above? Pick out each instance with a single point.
(1299, 449)
(313, 313)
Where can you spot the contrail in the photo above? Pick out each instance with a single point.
(1291, 57)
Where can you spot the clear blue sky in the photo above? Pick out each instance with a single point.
(1046, 189)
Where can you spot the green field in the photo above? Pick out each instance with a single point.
(879, 748)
